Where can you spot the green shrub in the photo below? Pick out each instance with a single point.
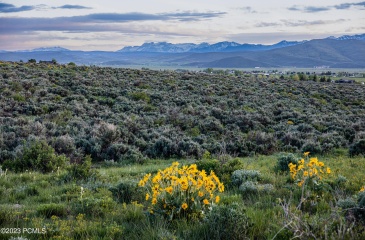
(354, 209)
(36, 156)
(5, 215)
(357, 148)
(284, 160)
(227, 222)
(346, 203)
(140, 96)
(52, 209)
(340, 181)
(124, 192)
(248, 187)
(312, 147)
(208, 165)
(360, 210)
(230, 166)
(265, 188)
(81, 170)
(242, 175)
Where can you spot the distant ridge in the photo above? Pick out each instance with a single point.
(46, 49)
(334, 52)
(348, 37)
(164, 47)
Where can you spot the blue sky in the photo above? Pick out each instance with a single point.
(111, 25)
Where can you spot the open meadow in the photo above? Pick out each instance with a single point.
(91, 152)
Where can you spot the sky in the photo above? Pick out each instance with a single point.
(110, 25)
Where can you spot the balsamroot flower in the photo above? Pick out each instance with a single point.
(311, 172)
(170, 190)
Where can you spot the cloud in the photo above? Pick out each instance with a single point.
(95, 22)
(67, 6)
(309, 9)
(191, 16)
(292, 23)
(248, 10)
(314, 9)
(10, 8)
(348, 5)
(267, 24)
(289, 23)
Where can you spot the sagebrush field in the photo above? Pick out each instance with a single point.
(92, 152)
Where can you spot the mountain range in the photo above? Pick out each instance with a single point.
(164, 47)
(335, 52)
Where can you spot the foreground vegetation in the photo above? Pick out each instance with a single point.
(108, 204)
(104, 153)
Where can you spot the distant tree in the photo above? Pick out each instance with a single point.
(322, 79)
(54, 61)
(303, 77)
(237, 73)
(208, 70)
(220, 72)
(295, 77)
(32, 60)
(315, 78)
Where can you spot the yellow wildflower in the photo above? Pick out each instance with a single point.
(328, 171)
(147, 196)
(306, 154)
(154, 201)
(184, 206)
(141, 183)
(362, 189)
(156, 178)
(205, 201)
(313, 161)
(217, 199)
(169, 189)
(184, 187)
(221, 187)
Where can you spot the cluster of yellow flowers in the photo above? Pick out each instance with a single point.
(362, 189)
(314, 170)
(181, 191)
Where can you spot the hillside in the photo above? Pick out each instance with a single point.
(120, 114)
(327, 52)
